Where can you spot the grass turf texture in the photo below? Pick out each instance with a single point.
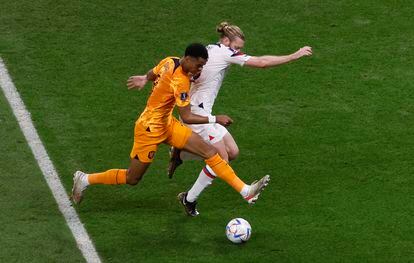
(334, 131)
(33, 229)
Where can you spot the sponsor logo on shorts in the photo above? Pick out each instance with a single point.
(151, 155)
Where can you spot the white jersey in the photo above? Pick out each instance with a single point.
(205, 88)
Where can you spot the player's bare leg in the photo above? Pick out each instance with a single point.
(175, 157)
(195, 144)
(226, 147)
(136, 171)
(231, 147)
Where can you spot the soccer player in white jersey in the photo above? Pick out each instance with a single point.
(203, 93)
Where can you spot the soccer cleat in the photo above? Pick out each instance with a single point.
(175, 161)
(256, 188)
(79, 186)
(189, 207)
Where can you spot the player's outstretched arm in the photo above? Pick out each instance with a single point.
(138, 82)
(190, 118)
(272, 61)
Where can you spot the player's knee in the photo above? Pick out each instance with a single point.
(232, 151)
(233, 154)
(133, 179)
(210, 152)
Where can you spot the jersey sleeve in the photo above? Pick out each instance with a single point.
(157, 69)
(181, 88)
(238, 58)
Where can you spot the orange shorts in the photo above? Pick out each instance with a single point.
(146, 142)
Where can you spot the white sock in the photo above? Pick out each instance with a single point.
(85, 180)
(187, 156)
(204, 179)
(245, 191)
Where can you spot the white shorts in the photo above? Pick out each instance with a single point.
(210, 132)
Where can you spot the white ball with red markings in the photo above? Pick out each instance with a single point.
(238, 230)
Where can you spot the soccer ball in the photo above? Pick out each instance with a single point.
(238, 230)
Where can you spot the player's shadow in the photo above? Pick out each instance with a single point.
(104, 200)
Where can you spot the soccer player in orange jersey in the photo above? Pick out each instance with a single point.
(156, 125)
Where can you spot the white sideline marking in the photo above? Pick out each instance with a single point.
(46, 166)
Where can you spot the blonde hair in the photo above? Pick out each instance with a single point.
(225, 29)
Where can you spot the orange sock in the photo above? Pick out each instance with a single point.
(113, 176)
(225, 172)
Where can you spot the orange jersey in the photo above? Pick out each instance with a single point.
(171, 88)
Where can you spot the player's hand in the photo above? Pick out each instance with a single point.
(304, 51)
(137, 82)
(224, 120)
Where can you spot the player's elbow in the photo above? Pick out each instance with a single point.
(263, 64)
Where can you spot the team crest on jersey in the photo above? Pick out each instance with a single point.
(183, 96)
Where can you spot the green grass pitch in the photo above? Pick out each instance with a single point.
(334, 131)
